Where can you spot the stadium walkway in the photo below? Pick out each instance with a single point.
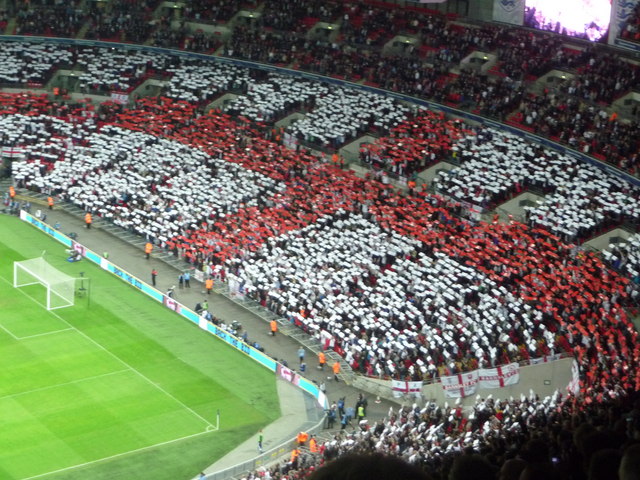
(131, 258)
(299, 413)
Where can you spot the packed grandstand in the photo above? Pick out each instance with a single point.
(406, 283)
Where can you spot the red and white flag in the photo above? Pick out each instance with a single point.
(461, 385)
(400, 387)
(12, 152)
(545, 359)
(499, 377)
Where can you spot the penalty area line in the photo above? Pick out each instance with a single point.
(45, 333)
(109, 352)
(26, 337)
(9, 332)
(72, 382)
(118, 455)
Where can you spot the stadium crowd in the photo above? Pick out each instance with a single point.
(417, 297)
(122, 20)
(556, 438)
(576, 113)
(59, 20)
(408, 285)
(580, 200)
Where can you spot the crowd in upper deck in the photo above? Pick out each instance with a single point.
(575, 112)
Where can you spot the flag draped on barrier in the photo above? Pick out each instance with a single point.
(121, 98)
(400, 387)
(545, 359)
(574, 383)
(461, 385)
(465, 384)
(499, 377)
(509, 11)
(287, 374)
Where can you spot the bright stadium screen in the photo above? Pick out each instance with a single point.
(588, 19)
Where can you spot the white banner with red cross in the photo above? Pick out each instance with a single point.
(499, 377)
(545, 359)
(461, 385)
(12, 152)
(400, 387)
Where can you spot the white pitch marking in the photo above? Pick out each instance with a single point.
(117, 455)
(207, 423)
(48, 387)
(45, 333)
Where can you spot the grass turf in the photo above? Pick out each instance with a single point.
(119, 388)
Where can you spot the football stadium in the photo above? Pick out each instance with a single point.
(246, 239)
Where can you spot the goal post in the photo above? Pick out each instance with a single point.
(60, 286)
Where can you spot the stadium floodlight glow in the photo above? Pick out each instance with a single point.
(60, 286)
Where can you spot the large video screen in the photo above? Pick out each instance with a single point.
(588, 19)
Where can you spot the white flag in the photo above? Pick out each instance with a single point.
(400, 387)
(499, 377)
(461, 385)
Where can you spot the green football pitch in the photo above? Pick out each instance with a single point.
(116, 386)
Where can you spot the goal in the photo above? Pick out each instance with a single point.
(60, 286)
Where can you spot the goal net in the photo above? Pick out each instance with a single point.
(60, 286)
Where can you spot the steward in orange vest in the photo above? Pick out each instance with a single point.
(50, 202)
(148, 248)
(313, 445)
(302, 438)
(208, 285)
(274, 327)
(88, 220)
(321, 360)
(336, 370)
(294, 456)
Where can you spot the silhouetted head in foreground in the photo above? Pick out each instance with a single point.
(367, 467)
